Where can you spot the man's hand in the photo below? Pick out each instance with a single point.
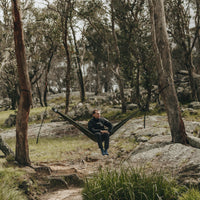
(104, 131)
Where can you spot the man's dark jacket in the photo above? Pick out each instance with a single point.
(96, 125)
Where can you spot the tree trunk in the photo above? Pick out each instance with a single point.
(165, 74)
(97, 79)
(191, 71)
(22, 150)
(79, 71)
(39, 94)
(68, 77)
(65, 34)
(137, 86)
(52, 50)
(117, 67)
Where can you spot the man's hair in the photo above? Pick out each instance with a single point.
(94, 111)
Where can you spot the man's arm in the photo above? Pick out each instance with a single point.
(107, 124)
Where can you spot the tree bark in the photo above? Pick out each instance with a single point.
(79, 71)
(22, 149)
(65, 33)
(51, 52)
(5, 148)
(97, 79)
(165, 74)
(117, 67)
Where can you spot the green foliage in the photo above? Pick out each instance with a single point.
(9, 187)
(191, 194)
(129, 184)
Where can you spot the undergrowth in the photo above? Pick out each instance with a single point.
(131, 184)
(10, 181)
(191, 194)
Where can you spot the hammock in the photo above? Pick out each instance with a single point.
(89, 133)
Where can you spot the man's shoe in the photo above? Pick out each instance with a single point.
(102, 152)
(105, 152)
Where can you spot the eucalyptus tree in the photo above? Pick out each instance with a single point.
(101, 20)
(117, 63)
(98, 46)
(22, 149)
(137, 62)
(165, 73)
(179, 20)
(64, 8)
(8, 72)
(196, 8)
(96, 53)
(79, 55)
(42, 41)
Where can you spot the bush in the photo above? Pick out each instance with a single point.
(129, 184)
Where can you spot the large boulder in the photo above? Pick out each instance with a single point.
(81, 111)
(194, 105)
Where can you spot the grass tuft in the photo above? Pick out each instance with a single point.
(191, 194)
(129, 184)
(9, 187)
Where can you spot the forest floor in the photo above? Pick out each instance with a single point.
(131, 145)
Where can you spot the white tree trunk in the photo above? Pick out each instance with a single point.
(165, 73)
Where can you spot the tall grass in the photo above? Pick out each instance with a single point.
(9, 183)
(129, 184)
(191, 194)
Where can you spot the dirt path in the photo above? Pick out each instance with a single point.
(70, 194)
(73, 174)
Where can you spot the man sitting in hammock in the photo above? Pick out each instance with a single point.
(97, 126)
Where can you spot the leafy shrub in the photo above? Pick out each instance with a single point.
(129, 184)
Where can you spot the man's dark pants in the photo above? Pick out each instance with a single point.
(102, 137)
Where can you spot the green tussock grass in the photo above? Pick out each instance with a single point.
(191, 194)
(57, 100)
(9, 188)
(191, 116)
(130, 184)
(38, 110)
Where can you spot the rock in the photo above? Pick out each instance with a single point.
(74, 179)
(194, 105)
(6, 149)
(58, 182)
(81, 111)
(132, 106)
(142, 139)
(194, 141)
(11, 121)
(188, 175)
(93, 157)
(43, 170)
